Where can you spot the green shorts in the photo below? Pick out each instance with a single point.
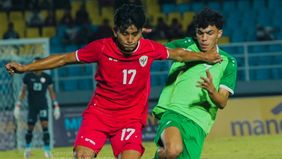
(192, 134)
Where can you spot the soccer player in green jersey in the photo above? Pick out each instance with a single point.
(194, 92)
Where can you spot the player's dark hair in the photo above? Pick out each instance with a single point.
(208, 17)
(127, 15)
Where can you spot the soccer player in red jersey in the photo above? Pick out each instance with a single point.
(117, 110)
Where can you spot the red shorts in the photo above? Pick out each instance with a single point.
(95, 129)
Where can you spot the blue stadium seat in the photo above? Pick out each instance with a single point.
(241, 75)
(276, 73)
(275, 47)
(75, 70)
(54, 49)
(197, 6)
(258, 4)
(156, 66)
(183, 7)
(63, 72)
(262, 74)
(214, 5)
(68, 85)
(237, 36)
(85, 84)
(55, 40)
(243, 5)
(274, 4)
(169, 8)
(228, 6)
(257, 60)
(264, 18)
(71, 48)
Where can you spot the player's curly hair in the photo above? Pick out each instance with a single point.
(127, 15)
(208, 17)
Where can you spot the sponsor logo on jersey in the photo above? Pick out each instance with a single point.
(42, 80)
(143, 60)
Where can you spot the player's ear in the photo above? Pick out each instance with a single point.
(219, 33)
(115, 32)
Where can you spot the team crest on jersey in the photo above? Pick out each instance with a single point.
(143, 60)
(42, 80)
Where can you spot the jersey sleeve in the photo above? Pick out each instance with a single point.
(161, 52)
(228, 80)
(91, 52)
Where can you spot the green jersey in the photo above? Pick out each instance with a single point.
(181, 93)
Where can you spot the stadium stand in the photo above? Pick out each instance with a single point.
(256, 60)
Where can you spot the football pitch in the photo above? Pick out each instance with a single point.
(255, 147)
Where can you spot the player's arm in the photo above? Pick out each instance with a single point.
(57, 112)
(52, 92)
(49, 62)
(181, 55)
(219, 97)
(19, 101)
(22, 93)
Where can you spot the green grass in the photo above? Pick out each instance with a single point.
(260, 147)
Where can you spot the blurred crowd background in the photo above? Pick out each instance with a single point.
(252, 31)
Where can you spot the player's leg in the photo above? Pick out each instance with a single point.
(43, 116)
(31, 120)
(168, 138)
(192, 136)
(91, 137)
(127, 142)
(172, 142)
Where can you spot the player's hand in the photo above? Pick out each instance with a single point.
(213, 57)
(17, 110)
(207, 83)
(57, 111)
(14, 67)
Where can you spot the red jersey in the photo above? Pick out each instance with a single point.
(123, 82)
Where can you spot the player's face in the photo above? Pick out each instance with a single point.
(208, 38)
(128, 39)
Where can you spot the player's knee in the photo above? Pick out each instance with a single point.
(81, 152)
(173, 150)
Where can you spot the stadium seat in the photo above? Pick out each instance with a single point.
(55, 49)
(182, 8)
(187, 18)
(243, 5)
(48, 31)
(173, 15)
(197, 6)
(16, 15)
(85, 84)
(71, 48)
(274, 4)
(63, 72)
(32, 32)
(276, 73)
(258, 4)
(241, 75)
(68, 85)
(59, 14)
(169, 8)
(215, 5)
(262, 74)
